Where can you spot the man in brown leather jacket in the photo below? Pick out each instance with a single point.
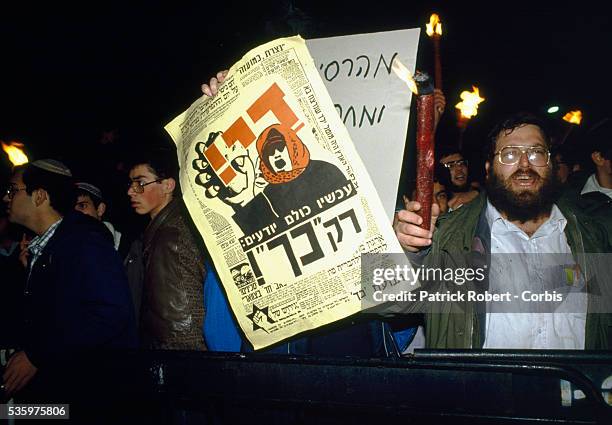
(171, 308)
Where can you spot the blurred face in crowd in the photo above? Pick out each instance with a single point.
(20, 206)
(607, 165)
(156, 192)
(603, 165)
(441, 197)
(563, 170)
(458, 169)
(86, 205)
(526, 189)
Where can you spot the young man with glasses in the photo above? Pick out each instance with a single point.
(454, 174)
(518, 215)
(169, 298)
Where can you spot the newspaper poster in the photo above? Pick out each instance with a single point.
(277, 190)
(372, 102)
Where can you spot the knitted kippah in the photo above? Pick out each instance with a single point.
(52, 166)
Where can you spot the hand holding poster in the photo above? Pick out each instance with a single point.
(279, 194)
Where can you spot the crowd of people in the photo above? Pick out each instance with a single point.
(80, 286)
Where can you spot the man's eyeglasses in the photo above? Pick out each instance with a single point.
(537, 156)
(12, 190)
(457, 163)
(138, 187)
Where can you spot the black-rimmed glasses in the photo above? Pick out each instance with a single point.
(457, 163)
(138, 186)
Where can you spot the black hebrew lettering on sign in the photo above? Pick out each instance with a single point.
(336, 223)
(370, 116)
(361, 65)
(297, 216)
(311, 230)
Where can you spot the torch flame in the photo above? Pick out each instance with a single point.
(404, 74)
(573, 117)
(469, 104)
(14, 150)
(434, 26)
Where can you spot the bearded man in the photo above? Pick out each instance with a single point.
(517, 219)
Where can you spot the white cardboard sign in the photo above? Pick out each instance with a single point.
(372, 102)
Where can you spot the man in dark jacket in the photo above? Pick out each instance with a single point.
(77, 301)
(171, 309)
(519, 215)
(592, 193)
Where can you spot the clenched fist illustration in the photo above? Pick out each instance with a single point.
(245, 185)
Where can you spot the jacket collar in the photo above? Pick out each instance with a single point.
(72, 220)
(469, 217)
(455, 223)
(169, 210)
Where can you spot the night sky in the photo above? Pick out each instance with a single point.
(72, 73)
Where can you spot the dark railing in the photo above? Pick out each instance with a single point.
(463, 386)
(430, 386)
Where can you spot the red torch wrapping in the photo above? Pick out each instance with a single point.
(425, 147)
(437, 62)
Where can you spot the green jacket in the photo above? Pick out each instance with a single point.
(458, 325)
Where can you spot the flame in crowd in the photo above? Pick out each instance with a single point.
(434, 26)
(404, 74)
(469, 102)
(573, 117)
(15, 152)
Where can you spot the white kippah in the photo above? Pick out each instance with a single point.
(53, 166)
(90, 188)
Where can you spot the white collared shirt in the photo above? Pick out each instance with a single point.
(525, 271)
(116, 234)
(592, 185)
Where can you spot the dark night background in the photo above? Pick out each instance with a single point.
(70, 73)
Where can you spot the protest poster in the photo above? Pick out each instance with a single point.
(372, 102)
(277, 190)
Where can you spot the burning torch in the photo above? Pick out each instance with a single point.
(574, 118)
(422, 87)
(468, 108)
(434, 31)
(15, 153)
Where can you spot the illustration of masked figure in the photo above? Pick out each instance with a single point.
(292, 180)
